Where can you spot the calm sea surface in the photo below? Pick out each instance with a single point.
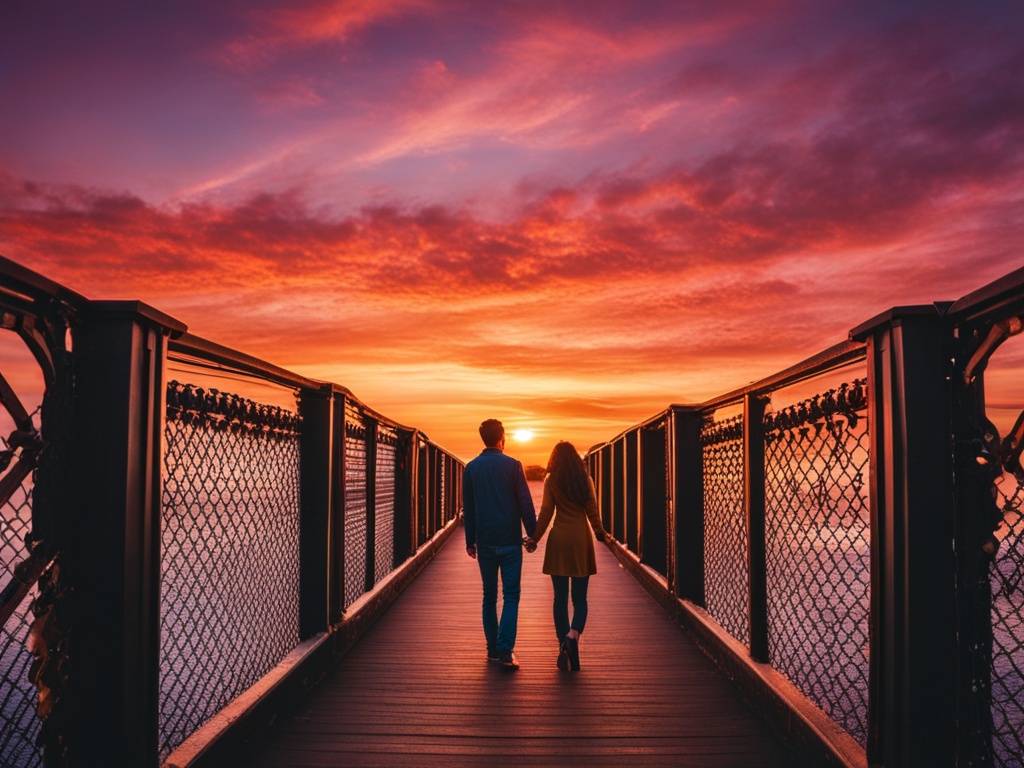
(537, 489)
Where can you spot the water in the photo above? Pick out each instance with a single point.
(537, 491)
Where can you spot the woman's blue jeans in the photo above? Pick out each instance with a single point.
(561, 605)
(508, 561)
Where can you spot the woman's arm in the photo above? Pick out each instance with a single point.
(547, 509)
(594, 515)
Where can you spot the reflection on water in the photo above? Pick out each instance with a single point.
(537, 491)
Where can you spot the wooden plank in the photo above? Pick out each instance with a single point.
(417, 689)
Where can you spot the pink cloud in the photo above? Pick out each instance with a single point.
(293, 94)
(301, 25)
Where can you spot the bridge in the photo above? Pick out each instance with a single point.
(819, 569)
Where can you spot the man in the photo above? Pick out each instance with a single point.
(496, 504)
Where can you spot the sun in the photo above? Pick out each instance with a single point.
(523, 435)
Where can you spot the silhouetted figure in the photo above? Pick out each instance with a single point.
(496, 505)
(570, 558)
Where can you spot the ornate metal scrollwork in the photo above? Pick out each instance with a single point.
(40, 450)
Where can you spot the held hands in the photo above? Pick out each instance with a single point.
(530, 544)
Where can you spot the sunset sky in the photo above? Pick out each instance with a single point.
(565, 215)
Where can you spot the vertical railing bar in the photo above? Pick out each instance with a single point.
(606, 488)
(115, 566)
(403, 507)
(913, 718)
(632, 512)
(422, 477)
(619, 491)
(653, 498)
(315, 478)
(688, 505)
(438, 489)
(754, 495)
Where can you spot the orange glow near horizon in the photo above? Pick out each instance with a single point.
(563, 216)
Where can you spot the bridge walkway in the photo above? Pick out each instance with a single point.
(417, 690)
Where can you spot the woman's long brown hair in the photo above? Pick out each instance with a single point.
(568, 472)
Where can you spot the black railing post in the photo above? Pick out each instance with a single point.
(631, 516)
(979, 514)
(688, 505)
(619, 491)
(653, 494)
(607, 485)
(912, 718)
(316, 407)
(594, 468)
(114, 567)
(405, 496)
(422, 492)
(753, 473)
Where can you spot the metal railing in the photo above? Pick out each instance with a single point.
(231, 523)
(779, 517)
(990, 519)
(726, 539)
(229, 598)
(833, 542)
(843, 537)
(17, 693)
(34, 318)
(817, 551)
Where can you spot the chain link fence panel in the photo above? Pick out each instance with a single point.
(384, 495)
(17, 695)
(726, 538)
(230, 553)
(818, 551)
(355, 511)
(1007, 665)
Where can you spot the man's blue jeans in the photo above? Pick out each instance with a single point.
(508, 561)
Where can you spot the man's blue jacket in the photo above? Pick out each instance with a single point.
(495, 500)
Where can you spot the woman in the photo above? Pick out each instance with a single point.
(569, 559)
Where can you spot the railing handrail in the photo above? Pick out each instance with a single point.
(836, 356)
(829, 359)
(991, 299)
(357, 511)
(206, 351)
(921, 464)
(25, 285)
(33, 285)
(192, 349)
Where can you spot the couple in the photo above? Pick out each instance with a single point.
(496, 503)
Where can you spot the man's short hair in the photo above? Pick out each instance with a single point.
(491, 431)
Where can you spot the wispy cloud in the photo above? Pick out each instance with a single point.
(274, 31)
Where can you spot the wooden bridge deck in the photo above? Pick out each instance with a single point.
(417, 689)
